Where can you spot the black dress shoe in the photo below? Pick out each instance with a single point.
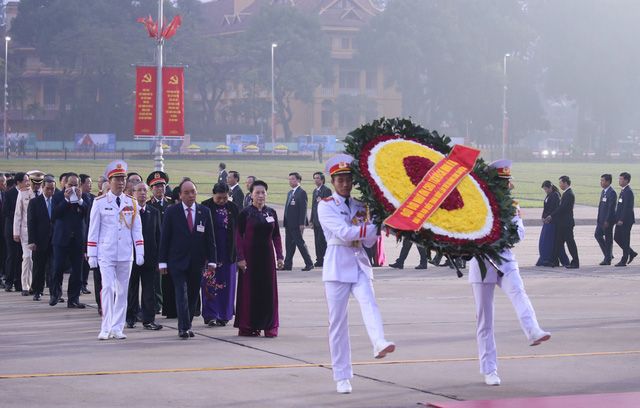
(85, 291)
(421, 266)
(572, 266)
(605, 262)
(318, 264)
(8, 289)
(131, 324)
(190, 333)
(25, 293)
(53, 301)
(397, 265)
(221, 323)
(632, 255)
(152, 326)
(621, 264)
(61, 299)
(75, 305)
(36, 297)
(307, 268)
(183, 334)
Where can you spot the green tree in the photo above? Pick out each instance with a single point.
(588, 48)
(446, 57)
(94, 43)
(302, 58)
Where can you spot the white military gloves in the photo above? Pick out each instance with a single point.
(93, 262)
(139, 259)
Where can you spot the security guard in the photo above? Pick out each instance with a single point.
(346, 269)
(114, 227)
(20, 231)
(511, 283)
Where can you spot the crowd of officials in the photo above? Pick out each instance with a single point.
(156, 250)
(614, 222)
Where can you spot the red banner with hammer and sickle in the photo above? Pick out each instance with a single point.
(433, 189)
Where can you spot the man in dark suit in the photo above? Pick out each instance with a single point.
(321, 191)
(150, 218)
(187, 246)
(69, 214)
(12, 269)
(40, 228)
(606, 218)
(247, 197)
(88, 197)
(158, 183)
(236, 195)
(563, 216)
(625, 219)
(295, 219)
(3, 258)
(222, 173)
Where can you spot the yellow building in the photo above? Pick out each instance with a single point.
(355, 97)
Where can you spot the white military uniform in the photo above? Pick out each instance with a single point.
(347, 270)
(113, 230)
(512, 285)
(20, 229)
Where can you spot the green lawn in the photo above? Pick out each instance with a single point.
(528, 176)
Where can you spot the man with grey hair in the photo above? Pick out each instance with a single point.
(40, 230)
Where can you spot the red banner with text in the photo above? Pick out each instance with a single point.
(145, 111)
(173, 102)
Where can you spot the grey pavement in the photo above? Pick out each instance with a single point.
(50, 355)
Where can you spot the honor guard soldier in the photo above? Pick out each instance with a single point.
(509, 280)
(346, 269)
(157, 182)
(20, 230)
(114, 229)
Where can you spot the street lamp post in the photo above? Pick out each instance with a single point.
(273, 96)
(505, 117)
(6, 95)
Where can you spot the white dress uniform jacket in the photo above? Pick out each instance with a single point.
(20, 217)
(345, 254)
(113, 230)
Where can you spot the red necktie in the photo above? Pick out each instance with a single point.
(189, 220)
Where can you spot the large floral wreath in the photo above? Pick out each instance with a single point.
(391, 158)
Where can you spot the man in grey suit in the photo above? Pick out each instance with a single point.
(321, 191)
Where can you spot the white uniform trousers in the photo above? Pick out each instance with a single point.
(337, 294)
(115, 285)
(513, 287)
(27, 265)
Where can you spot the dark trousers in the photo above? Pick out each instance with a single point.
(63, 255)
(604, 236)
(157, 289)
(187, 290)
(97, 287)
(3, 255)
(85, 273)
(404, 252)
(293, 240)
(41, 268)
(320, 243)
(146, 275)
(13, 263)
(565, 234)
(622, 237)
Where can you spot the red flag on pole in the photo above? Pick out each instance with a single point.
(150, 25)
(170, 29)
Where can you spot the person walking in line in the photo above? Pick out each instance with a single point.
(606, 219)
(563, 215)
(625, 218)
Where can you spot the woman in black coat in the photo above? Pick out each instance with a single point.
(548, 233)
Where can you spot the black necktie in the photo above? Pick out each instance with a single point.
(118, 201)
(142, 211)
(346, 201)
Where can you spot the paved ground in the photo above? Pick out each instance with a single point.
(51, 354)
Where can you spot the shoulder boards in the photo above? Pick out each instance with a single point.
(100, 197)
(330, 198)
(131, 197)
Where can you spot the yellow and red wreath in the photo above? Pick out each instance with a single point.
(392, 158)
